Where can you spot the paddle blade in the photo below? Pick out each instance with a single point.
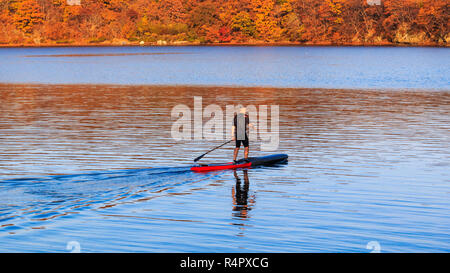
(198, 158)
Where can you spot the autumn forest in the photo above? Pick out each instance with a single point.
(351, 22)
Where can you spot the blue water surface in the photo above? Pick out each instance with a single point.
(328, 67)
(96, 164)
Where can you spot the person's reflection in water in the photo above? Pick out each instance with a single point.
(242, 204)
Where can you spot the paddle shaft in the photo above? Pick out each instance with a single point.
(200, 157)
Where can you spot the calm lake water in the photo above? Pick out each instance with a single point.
(326, 67)
(96, 163)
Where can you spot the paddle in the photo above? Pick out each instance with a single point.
(200, 157)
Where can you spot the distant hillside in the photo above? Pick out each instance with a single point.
(44, 22)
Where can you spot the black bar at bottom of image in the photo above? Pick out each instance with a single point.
(223, 262)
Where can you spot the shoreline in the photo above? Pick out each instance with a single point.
(256, 44)
(205, 86)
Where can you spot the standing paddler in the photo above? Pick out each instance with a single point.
(240, 132)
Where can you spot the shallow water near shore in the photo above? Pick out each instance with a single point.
(96, 164)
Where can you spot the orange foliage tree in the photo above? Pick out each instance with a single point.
(433, 18)
(27, 14)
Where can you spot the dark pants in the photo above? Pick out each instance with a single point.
(244, 142)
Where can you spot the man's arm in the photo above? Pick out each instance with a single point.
(247, 120)
(233, 128)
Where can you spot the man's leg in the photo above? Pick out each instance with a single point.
(246, 147)
(246, 152)
(236, 151)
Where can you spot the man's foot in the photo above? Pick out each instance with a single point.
(234, 161)
(246, 160)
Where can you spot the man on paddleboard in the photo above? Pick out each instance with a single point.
(239, 132)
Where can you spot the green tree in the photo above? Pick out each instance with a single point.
(242, 22)
(205, 14)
